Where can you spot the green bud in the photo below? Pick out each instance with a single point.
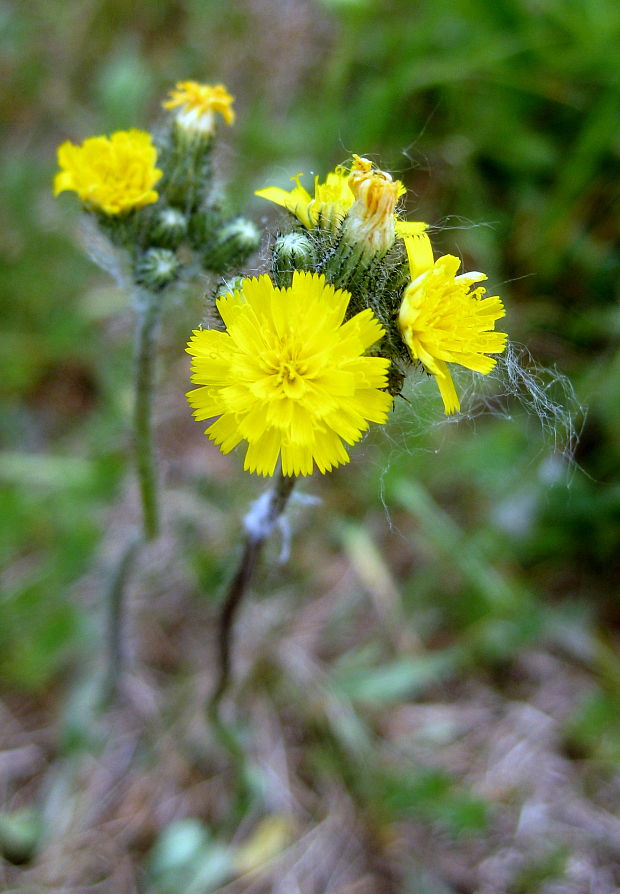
(294, 251)
(168, 228)
(231, 245)
(228, 286)
(156, 268)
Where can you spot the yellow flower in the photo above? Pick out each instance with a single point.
(114, 175)
(288, 376)
(332, 199)
(374, 190)
(198, 104)
(444, 320)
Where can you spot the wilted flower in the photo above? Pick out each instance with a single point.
(370, 221)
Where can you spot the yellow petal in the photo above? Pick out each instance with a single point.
(419, 253)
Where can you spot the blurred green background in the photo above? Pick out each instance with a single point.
(461, 567)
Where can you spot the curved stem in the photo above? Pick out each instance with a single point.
(258, 523)
(148, 315)
(148, 311)
(116, 610)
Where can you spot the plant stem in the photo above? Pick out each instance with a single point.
(116, 605)
(258, 523)
(148, 315)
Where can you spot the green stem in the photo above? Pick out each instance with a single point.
(148, 311)
(116, 608)
(259, 523)
(148, 315)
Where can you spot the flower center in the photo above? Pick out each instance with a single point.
(286, 370)
(290, 378)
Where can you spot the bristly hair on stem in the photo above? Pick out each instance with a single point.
(148, 313)
(258, 523)
(116, 605)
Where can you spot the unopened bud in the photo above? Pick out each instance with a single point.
(228, 286)
(168, 228)
(294, 251)
(157, 267)
(231, 245)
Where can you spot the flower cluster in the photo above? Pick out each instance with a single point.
(430, 314)
(115, 179)
(307, 358)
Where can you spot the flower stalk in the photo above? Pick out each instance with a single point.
(148, 319)
(116, 607)
(258, 524)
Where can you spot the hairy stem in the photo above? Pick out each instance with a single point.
(258, 523)
(148, 314)
(148, 310)
(116, 610)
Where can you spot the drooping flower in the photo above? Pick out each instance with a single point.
(372, 190)
(288, 376)
(114, 175)
(198, 105)
(443, 319)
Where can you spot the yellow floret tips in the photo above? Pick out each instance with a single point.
(288, 376)
(113, 175)
(443, 319)
(362, 196)
(198, 104)
(370, 220)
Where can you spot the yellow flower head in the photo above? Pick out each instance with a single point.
(373, 190)
(288, 376)
(331, 201)
(444, 320)
(114, 175)
(198, 105)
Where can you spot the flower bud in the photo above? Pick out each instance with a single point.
(229, 286)
(231, 245)
(156, 268)
(294, 251)
(168, 228)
